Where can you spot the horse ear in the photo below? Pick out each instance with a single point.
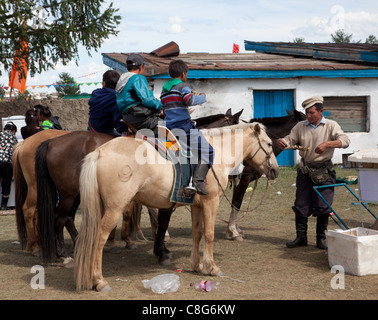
(257, 129)
(228, 113)
(236, 116)
(289, 113)
(299, 115)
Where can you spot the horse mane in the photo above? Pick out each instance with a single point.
(209, 119)
(270, 121)
(218, 131)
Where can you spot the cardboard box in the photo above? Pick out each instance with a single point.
(356, 250)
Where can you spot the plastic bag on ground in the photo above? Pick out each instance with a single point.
(164, 283)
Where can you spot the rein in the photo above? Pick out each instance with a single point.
(268, 154)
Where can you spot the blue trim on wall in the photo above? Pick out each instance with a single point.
(274, 74)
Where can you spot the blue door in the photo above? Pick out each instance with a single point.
(273, 103)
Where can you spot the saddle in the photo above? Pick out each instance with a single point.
(169, 147)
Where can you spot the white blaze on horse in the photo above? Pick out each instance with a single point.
(111, 177)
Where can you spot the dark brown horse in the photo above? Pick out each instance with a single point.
(58, 164)
(275, 128)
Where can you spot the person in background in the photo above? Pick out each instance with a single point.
(135, 100)
(104, 115)
(7, 142)
(53, 119)
(45, 117)
(32, 124)
(321, 136)
(177, 97)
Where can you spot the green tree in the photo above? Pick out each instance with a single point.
(23, 96)
(371, 39)
(54, 29)
(341, 36)
(299, 40)
(67, 85)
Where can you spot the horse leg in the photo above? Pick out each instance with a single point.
(195, 262)
(163, 254)
(233, 231)
(70, 223)
(108, 223)
(153, 213)
(125, 234)
(30, 216)
(209, 215)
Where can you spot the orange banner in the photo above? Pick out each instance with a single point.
(19, 69)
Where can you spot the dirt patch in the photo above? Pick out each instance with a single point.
(260, 267)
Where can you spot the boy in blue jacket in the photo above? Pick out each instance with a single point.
(177, 97)
(135, 100)
(104, 115)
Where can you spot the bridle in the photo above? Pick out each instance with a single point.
(267, 154)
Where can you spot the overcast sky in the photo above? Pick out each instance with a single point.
(214, 25)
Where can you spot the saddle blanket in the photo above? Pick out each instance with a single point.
(182, 172)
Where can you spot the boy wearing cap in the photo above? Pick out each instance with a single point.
(135, 100)
(321, 136)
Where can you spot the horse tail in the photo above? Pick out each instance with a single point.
(46, 204)
(21, 190)
(89, 233)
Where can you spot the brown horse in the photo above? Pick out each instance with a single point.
(113, 175)
(26, 187)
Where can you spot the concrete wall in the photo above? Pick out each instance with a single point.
(73, 114)
(238, 94)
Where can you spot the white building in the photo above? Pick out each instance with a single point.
(266, 84)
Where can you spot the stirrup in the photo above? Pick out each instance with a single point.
(190, 190)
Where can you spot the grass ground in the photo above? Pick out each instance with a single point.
(260, 267)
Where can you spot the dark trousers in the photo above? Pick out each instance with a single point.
(191, 139)
(6, 174)
(307, 201)
(140, 122)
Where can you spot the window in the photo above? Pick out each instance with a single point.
(351, 113)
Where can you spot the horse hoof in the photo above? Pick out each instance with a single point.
(115, 250)
(166, 262)
(36, 253)
(132, 246)
(101, 288)
(106, 288)
(238, 238)
(228, 236)
(68, 263)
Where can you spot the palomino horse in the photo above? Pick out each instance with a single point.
(26, 187)
(114, 174)
(65, 155)
(276, 128)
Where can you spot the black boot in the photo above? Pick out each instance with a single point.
(321, 227)
(301, 227)
(4, 202)
(199, 175)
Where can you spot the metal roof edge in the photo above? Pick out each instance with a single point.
(318, 51)
(274, 74)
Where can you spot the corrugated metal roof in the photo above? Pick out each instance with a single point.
(348, 52)
(235, 61)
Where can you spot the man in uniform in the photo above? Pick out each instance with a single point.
(321, 136)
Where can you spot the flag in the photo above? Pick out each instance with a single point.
(19, 69)
(235, 48)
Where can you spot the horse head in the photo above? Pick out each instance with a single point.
(261, 155)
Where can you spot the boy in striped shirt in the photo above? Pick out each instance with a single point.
(176, 98)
